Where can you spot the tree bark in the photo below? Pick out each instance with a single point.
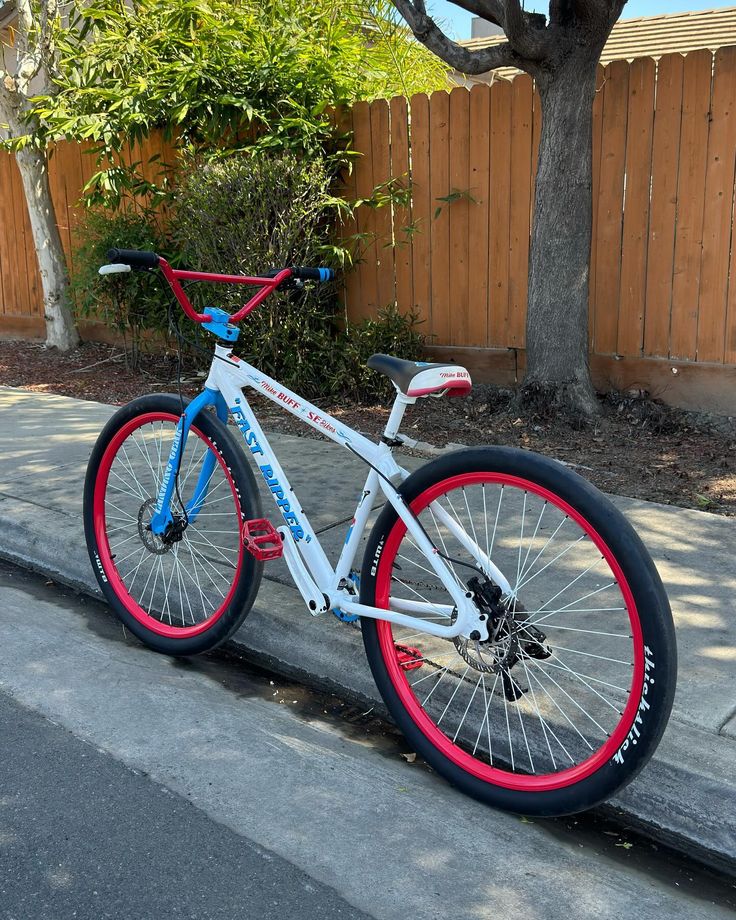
(33, 167)
(561, 54)
(557, 317)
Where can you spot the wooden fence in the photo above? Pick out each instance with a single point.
(70, 168)
(664, 152)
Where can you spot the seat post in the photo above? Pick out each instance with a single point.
(397, 414)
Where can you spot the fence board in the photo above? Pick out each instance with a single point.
(75, 176)
(421, 214)
(348, 226)
(690, 184)
(399, 116)
(610, 206)
(718, 210)
(367, 277)
(663, 213)
(500, 198)
(380, 138)
(480, 132)
(597, 130)
(520, 206)
(5, 264)
(640, 123)
(459, 140)
(18, 240)
(439, 161)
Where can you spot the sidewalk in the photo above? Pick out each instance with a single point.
(686, 796)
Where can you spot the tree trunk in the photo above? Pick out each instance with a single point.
(33, 168)
(557, 320)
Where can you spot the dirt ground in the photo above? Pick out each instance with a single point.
(637, 447)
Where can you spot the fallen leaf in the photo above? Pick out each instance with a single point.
(409, 758)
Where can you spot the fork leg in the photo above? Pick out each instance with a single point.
(162, 513)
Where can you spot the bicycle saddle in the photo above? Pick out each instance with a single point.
(421, 378)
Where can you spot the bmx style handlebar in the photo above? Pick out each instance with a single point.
(121, 260)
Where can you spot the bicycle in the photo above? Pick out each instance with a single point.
(514, 623)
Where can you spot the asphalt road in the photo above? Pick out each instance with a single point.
(85, 836)
(132, 786)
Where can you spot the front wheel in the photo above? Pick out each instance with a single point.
(185, 592)
(569, 697)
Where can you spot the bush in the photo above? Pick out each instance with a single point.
(246, 215)
(391, 333)
(127, 303)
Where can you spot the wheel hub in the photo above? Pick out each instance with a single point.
(158, 544)
(510, 637)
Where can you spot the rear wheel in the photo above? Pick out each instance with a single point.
(184, 593)
(569, 698)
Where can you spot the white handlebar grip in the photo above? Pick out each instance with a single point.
(114, 269)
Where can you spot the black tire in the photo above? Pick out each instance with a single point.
(642, 715)
(240, 572)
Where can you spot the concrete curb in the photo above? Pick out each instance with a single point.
(685, 798)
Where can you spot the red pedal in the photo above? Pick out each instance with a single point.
(409, 658)
(262, 540)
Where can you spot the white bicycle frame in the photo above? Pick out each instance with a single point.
(322, 586)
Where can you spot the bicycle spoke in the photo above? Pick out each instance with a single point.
(573, 701)
(539, 714)
(521, 547)
(570, 607)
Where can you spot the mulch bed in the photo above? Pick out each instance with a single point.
(637, 447)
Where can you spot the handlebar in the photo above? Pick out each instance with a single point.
(146, 261)
(313, 274)
(136, 258)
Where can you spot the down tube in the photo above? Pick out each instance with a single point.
(278, 484)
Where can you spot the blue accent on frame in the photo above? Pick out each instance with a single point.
(162, 512)
(220, 325)
(341, 614)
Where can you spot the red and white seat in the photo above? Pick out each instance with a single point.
(420, 378)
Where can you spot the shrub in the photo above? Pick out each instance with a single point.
(127, 303)
(246, 215)
(392, 333)
(208, 71)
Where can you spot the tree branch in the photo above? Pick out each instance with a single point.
(598, 14)
(490, 10)
(469, 62)
(30, 45)
(525, 31)
(560, 12)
